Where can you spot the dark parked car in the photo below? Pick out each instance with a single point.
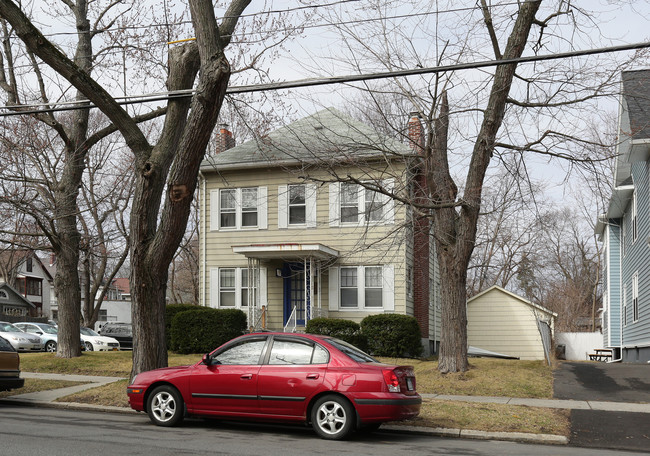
(9, 367)
(318, 380)
(123, 332)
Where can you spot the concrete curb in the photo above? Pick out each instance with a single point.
(479, 435)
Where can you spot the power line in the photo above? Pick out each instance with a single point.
(74, 105)
(288, 29)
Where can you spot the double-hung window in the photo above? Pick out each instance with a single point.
(297, 206)
(353, 204)
(232, 287)
(249, 207)
(349, 208)
(227, 289)
(349, 288)
(238, 208)
(361, 288)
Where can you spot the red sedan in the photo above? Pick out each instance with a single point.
(275, 377)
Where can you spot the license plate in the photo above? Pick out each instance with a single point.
(409, 383)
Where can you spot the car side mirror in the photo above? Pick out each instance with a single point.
(207, 360)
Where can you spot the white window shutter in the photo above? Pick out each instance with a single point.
(262, 208)
(388, 287)
(389, 206)
(214, 210)
(262, 289)
(214, 287)
(334, 204)
(333, 288)
(310, 205)
(283, 206)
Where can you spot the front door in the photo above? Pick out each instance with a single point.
(294, 292)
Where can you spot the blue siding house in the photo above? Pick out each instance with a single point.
(625, 229)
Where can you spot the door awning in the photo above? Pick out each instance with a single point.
(289, 251)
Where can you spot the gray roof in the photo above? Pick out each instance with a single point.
(636, 90)
(328, 136)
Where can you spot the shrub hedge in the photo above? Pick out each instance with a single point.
(202, 329)
(170, 312)
(392, 335)
(346, 330)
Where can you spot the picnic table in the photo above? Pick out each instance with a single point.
(601, 354)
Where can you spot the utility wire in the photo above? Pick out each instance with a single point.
(74, 105)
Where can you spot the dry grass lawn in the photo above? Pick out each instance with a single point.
(486, 377)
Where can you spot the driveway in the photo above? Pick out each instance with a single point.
(615, 382)
(593, 381)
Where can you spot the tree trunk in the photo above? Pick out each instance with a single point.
(66, 281)
(455, 229)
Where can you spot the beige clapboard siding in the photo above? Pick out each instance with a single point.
(380, 245)
(501, 322)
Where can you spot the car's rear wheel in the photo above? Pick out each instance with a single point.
(332, 417)
(165, 406)
(89, 346)
(50, 346)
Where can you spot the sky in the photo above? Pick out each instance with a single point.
(416, 37)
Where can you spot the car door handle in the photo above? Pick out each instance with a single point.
(312, 376)
(246, 376)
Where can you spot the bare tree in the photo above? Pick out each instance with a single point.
(166, 172)
(58, 148)
(475, 119)
(105, 200)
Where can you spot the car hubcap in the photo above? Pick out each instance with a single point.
(51, 347)
(331, 417)
(163, 406)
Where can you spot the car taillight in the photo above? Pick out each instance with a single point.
(392, 381)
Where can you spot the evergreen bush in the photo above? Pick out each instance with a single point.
(346, 330)
(201, 330)
(392, 335)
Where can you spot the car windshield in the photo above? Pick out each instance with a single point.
(48, 329)
(88, 332)
(8, 327)
(352, 351)
(5, 345)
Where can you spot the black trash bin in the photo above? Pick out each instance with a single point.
(560, 351)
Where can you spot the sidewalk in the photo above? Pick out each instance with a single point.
(48, 398)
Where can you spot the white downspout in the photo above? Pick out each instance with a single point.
(202, 266)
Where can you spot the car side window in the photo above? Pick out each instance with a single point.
(245, 353)
(292, 352)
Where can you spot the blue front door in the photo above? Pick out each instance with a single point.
(294, 291)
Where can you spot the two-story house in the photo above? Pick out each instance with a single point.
(28, 275)
(625, 228)
(314, 220)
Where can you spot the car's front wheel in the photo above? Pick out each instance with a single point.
(89, 346)
(332, 417)
(165, 406)
(50, 346)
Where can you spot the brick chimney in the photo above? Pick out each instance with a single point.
(416, 132)
(225, 140)
(421, 240)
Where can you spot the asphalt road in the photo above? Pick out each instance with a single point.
(28, 431)
(615, 382)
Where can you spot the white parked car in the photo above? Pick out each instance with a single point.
(47, 333)
(94, 342)
(20, 340)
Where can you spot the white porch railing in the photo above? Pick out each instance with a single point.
(292, 322)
